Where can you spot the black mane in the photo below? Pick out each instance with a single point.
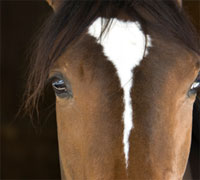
(74, 17)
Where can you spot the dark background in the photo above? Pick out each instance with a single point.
(27, 151)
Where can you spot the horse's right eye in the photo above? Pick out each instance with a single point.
(61, 88)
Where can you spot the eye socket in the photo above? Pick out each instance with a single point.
(61, 86)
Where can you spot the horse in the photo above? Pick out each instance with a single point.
(125, 76)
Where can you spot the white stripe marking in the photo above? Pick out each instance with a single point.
(124, 45)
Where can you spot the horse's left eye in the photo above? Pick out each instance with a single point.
(195, 85)
(61, 88)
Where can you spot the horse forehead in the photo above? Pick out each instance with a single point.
(124, 46)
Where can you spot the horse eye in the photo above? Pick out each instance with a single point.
(61, 88)
(195, 85)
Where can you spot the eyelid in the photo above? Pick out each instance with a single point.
(55, 74)
(198, 77)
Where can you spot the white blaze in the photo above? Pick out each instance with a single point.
(124, 45)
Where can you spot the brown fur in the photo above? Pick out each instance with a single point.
(160, 141)
(72, 19)
(93, 151)
(90, 128)
(90, 125)
(55, 4)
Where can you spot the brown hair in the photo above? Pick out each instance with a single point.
(74, 17)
